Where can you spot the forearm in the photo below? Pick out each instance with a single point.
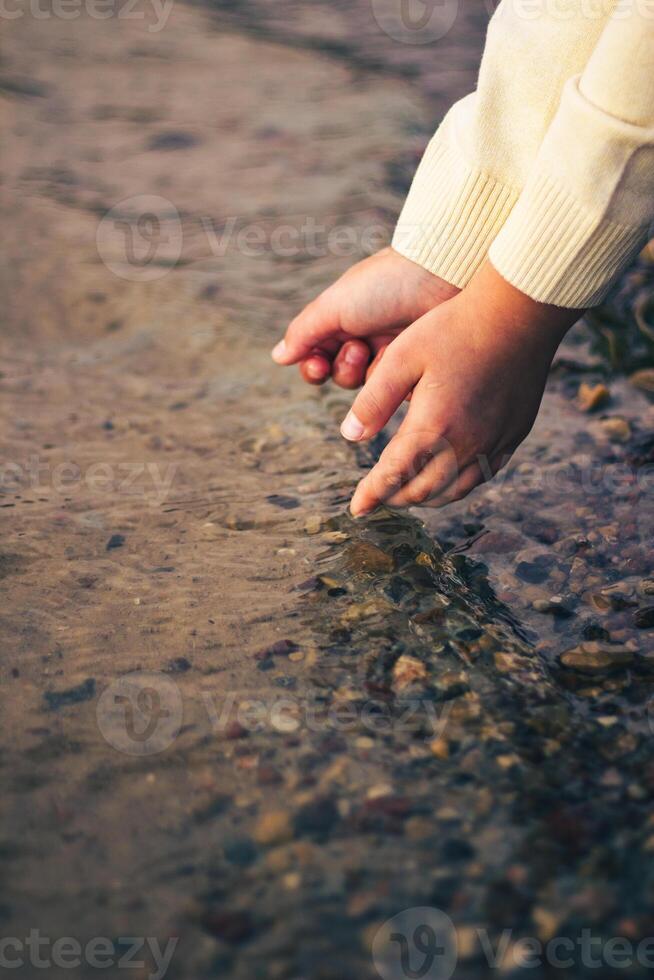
(513, 317)
(475, 168)
(588, 204)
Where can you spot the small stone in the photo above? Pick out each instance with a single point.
(74, 695)
(556, 606)
(335, 537)
(592, 656)
(115, 541)
(281, 648)
(380, 789)
(179, 665)
(534, 570)
(367, 557)
(283, 501)
(644, 618)
(285, 721)
(374, 606)
(313, 524)
(646, 586)
(644, 380)
(616, 429)
(234, 730)
(296, 656)
(590, 397)
(440, 747)
(274, 827)
(615, 597)
(407, 671)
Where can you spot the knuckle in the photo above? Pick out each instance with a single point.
(418, 493)
(368, 405)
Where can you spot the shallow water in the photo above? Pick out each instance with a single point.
(232, 714)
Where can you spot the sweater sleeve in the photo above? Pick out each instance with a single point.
(477, 164)
(588, 204)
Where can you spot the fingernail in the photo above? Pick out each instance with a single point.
(315, 368)
(278, 353)
(354, 355)
(351, 428)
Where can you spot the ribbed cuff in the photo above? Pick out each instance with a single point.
(451, 215)
(553, 250)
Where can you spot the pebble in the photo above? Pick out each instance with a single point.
(644, 618)
(643, 379)
(590, 397)
(234, 730)
(593, 656)
(273, 827)
(374, 606)
(616, 429)
(74, 695)
(179, 665)
(440, 747)
(335, 537)
(367, 557)
(407, 671)
(534, 570)
(281, 648)
(313, 524)
(380, 789)
(556, 606)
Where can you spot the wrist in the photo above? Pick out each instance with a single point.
(514, 315)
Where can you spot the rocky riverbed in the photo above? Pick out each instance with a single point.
(236, 723)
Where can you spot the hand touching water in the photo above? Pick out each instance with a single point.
(476, 367)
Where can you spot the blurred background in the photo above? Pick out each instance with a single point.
(237, 725)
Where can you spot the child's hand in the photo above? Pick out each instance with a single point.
(477, 367)
(375, 299)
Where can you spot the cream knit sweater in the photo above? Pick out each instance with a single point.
(548, 167)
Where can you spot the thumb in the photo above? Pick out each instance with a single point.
(318, 323)
(383, 393)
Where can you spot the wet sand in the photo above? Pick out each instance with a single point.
(231, 715)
